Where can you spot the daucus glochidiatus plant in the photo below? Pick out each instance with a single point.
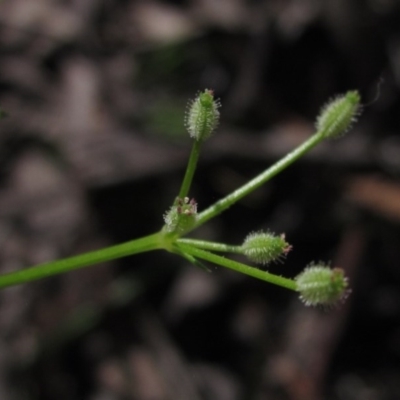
(318, 284)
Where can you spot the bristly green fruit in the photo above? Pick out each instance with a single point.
(202, 116)
(337, 116)
(319, 284)
(265, 247)
(181, 216)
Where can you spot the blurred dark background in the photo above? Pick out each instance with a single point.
(92, 152)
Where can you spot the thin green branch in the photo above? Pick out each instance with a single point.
(239, 267)
(223, 204)
(147, 243)
(213, 246)
(190, 169)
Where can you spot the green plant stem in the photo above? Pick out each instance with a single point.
(213, 246)
(190, 169)
(147, 243)
(221, 205)
(239, 267)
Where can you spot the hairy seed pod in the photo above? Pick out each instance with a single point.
(337, 116)
(202, 116)
(319, 284)
(181, 216)
(265, 247)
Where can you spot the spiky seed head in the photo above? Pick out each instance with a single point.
(181, 216)
(202, 116)
(265, 247)
(338, 115)
(319, 284)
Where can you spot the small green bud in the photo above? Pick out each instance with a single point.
(202, 116)
(181, 216)
(339, 114)
(321, 285)
(265, 247)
